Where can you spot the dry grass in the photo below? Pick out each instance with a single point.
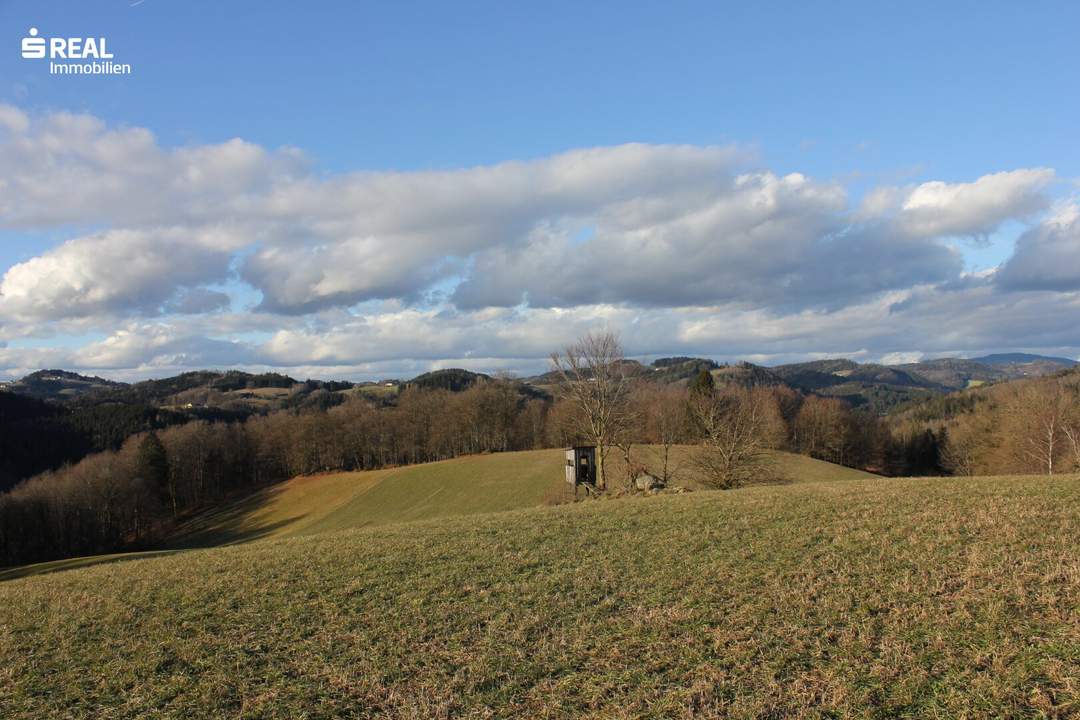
(947, 598)
(465, 486)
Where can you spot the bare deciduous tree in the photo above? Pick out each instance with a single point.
(632, 429)
(737, 431)
(963, 444)
(1038, 416)
(821, 428)
(595, 380)
(1071, 428)
(664, 408)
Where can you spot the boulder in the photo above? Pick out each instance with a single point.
(646, 482)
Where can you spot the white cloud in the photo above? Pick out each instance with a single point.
(902, 358)
(379, 235)
(407, 341)
(977, 208)
(779, 242)
(13, 120)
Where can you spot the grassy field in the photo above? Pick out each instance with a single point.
(869, 598)
(464, 486)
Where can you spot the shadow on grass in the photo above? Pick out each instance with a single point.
(230, 524)
(43, 568)
(227, 525)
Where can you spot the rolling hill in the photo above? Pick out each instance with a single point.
(877, 387)
(59, 385)
(1016, 365)
(854, 598)
(1020, 358)
(464, 486)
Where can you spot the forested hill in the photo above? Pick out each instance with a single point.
(317, 427)
(875, 387)
(1025, 425)
(60, 385)
(53, 417)
(884, 388)
(880, 387)
(452, 379)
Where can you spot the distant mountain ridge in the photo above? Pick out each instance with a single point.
(1013, 358)
(873, 385)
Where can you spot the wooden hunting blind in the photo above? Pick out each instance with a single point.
(581, 465)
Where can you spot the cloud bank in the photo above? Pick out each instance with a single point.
(234, 254)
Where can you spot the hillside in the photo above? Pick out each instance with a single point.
(53, 417)
(35, 435)
(956, 373)
(1020, 358)
(1026, 365)
(452, 379)
(877, 387)
(59, 385)
(883, 388)
(864, 598)
(213, 389)
(472, 485)
(463, 486)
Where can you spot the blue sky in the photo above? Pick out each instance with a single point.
(863, 96)
(937, 89)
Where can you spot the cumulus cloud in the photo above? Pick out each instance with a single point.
(651, 225)
(1047, 256)
(962, 209)
(114, 272)
(161, 345)
(69, 168)
(380, 235)
(761, 239)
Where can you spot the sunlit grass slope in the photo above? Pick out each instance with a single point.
(871, 598)
(464, 486)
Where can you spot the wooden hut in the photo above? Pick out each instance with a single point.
(581, 465)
